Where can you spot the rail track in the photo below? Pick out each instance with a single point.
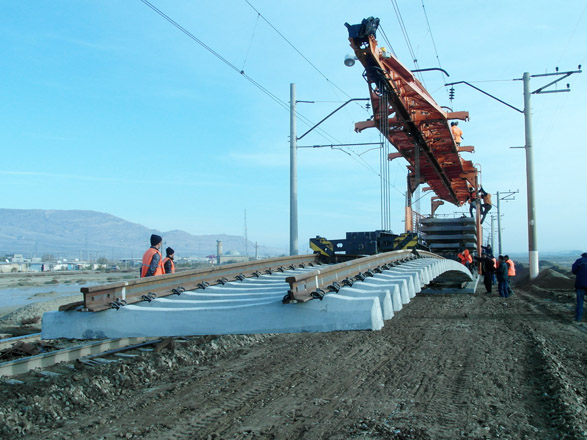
(316, 280)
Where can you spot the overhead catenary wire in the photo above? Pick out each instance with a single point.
(217, 55)
(264, 90)
(406, 36)
(267, 92)
(251, 42)
(297, 50)
(432, 38)
(328, 80)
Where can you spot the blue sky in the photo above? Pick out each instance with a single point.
(106, 106)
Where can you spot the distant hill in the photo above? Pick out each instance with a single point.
(79, 234)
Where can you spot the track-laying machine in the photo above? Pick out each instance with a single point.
(411, 120)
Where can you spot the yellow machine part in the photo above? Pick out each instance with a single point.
(407, 240)
(322, 246)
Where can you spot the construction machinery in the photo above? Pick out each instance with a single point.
(411, 120)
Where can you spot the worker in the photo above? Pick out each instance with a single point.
(486, 203)
(457, 133)
(487, 269)
(168, 263)
(579, 268)
(502, 277)
(465, 258)
(152, 261)
(472, 200)
(511, 272)
(468, 259)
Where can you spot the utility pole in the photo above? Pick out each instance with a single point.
(293, 195)
(293, 174)
(509, 195)
(532, 242)
(492, 233)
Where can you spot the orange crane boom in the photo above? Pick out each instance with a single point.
(406, 114)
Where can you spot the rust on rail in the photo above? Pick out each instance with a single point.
(315, 284)
(97, 298)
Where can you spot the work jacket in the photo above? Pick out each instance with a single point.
(511, 268)
(502, 271)
(487, 265)
(168, 265)
(580, 270)
(152, 263)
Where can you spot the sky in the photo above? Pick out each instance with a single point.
(108, 106)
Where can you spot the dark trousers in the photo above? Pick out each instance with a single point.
(503, 288)
(488, 281)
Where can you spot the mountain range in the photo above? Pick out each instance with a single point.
(90, 235)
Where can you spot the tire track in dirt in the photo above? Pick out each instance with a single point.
(557, 372)
(444, 367)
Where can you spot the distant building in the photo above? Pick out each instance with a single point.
(12, 267)
(232, 257)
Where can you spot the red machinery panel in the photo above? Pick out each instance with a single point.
(408, 116)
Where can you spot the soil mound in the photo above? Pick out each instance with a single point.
(549, 279)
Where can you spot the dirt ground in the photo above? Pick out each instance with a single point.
(445, 367)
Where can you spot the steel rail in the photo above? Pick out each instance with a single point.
(9, 342)
(315, 284)
(103, 297)
(43, 360)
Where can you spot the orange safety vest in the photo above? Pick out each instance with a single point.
(511, 268)
(461, 258)
(457, 133)
(165, 260)
(147, 257)
(468, 256)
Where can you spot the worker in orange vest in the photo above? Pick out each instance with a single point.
(465, 258)
(468, 259)
(511, 272)
(457, 133)
(486, 203)
(168, 263)
(152, 261)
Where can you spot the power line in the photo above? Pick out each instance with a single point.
(271, 95)
(572, 34)
(267, 92)
(406, 37)
(251, 41)
(296, 49)
(217, 55)
(432, 38)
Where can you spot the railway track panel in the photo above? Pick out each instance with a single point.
(377, 287)
(268, 303)
(97, 298)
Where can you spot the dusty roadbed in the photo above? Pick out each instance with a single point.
(445, 367)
